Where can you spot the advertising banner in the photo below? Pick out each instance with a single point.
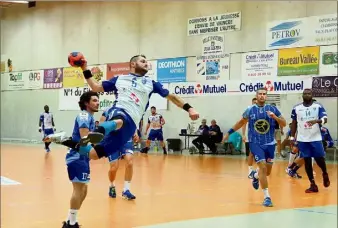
(298, 61)
(172, 70)
(234, 87)
(114, 69)
(328, 60)
(69, 98)
(301, 32)
(213, 67)
(16, 81)
(326, 86)
(53, 78)
(259, 64)
(35, 79)
(72, 77)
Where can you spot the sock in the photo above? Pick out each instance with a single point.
(293, 165)
(295, 169)
(47, 145)
(72, 216)
(250, 169)
(126, 186)
(108, 126)
(112, 184)
(309, 170)
(322, 164)
(256, 174)
(292, 158)
(266, 193)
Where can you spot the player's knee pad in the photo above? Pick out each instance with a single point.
(100, 151)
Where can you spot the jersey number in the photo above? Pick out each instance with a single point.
(134, 82)
(307, 113)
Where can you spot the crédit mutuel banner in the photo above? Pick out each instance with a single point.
(227, 88)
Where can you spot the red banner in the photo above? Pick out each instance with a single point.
(114, 69)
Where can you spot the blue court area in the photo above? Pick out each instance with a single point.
(312, 217)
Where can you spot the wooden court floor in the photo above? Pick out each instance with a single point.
(170, 188)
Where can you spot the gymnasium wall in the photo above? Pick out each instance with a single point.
(108, 32)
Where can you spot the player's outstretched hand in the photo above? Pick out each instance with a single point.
(193, 114)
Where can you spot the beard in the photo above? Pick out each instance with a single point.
(141, 71)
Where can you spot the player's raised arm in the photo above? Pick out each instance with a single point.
(179, 102)
(94, 85)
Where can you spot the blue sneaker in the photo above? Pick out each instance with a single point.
(112, 192)
(127, 195)
(267, 202)
(255, 181)
(47, 150)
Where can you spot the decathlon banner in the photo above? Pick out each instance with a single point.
(213, 67)
(300, 32)
(219, 23)
(172, 70)
(73, 77)
(298, 61)
(259, 64)
(234, 87)
(69, 98)
(328, 60)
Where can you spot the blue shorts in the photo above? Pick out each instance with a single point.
(155, 134)
(126, 149)
(263, 152)
(114, 142)
(78, 168)
(48, 131)
(311, 149)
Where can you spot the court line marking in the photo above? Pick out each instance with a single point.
(7, 181)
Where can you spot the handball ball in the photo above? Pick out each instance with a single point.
(76, 59)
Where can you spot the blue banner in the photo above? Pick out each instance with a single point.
(172, 70)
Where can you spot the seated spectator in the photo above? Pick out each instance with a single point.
(215, 136)
(203, 131)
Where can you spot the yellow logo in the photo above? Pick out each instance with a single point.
(262, 126)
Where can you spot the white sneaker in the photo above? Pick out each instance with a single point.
(55, 138)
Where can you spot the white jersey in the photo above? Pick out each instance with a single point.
(47, 120)
(155, 121)
(303, 114)
(133, 93)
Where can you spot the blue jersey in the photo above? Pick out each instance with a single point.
(261, 126)
(82, 120)
(132, 93)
